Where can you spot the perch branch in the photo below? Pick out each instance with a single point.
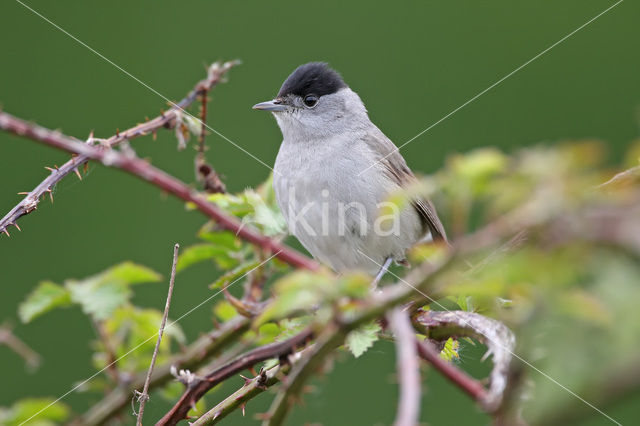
(167, 119)
(145, 171)
(144, 396)
(408, 368)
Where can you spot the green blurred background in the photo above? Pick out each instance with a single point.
(411, 62)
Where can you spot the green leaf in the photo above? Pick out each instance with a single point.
(131, 328)
(299, 292)
(450, 350)
(45, 297)
(358, 341)
(224, 311)
(201, 252)
(48, 411)
(101, 294)
(99, 299)
(234, 274)
(131, 273)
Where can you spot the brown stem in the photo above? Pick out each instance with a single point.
(200, 386)
(166, 119)
(145, 171)
(462, 380)
(407, 366)
(30, 357)
(144, 396)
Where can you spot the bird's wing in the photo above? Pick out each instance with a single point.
(396, 167)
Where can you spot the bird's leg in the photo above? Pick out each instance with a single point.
(383, 270)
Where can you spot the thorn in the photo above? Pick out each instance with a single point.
(6, 232)
(78, 173)
(146, 118)
(51, 169)
(244, 404)
(247, 380)
(85, 167)
(16, 225)
(51, 196)
(23, 193)
(162, 112)
(155, 135)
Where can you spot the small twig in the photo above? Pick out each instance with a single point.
(408, 368)
(29, 203)
(621, 179)
(112, 359)
(144, 396)
(145, 171)
(30, 357)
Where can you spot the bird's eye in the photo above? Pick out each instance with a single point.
(310, 101)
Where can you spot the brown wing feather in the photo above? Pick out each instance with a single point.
(397, 169)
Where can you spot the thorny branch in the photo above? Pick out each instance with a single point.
(202, 385)
(215, 74)
(144, 396)
(264, 380)
(145, 171)
(438, 325)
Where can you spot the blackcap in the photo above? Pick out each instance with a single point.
(334, 173)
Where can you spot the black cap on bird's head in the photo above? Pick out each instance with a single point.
(309, 82)
(314, 78)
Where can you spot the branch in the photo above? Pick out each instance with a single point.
(30, 357)
(330, 339)
(408, 368)
(500, 341)
(215, 74)
(145, 171)
(622, 179)
(264, 380)
(200, 386)
(468, 384)
(144, 396)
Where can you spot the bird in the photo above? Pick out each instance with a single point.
(334, 173)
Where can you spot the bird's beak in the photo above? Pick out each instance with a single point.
(273, 106)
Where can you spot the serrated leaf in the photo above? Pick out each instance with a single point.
(99, 299)
(358, 341)
(234, 274)
(101, 294)
(49, 412)
(45, 297)
(201, 252)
